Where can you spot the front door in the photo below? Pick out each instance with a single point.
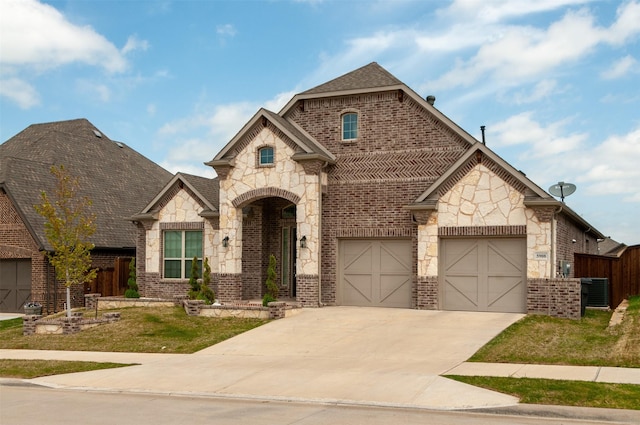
(289, 245)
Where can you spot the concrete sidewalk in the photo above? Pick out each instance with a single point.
(613, 375)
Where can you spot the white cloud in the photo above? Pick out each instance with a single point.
(609, 167)
(20, 92)
(626, 26)
(226, 30)
(541, 90)
(134, 43)
(620, 68)
(94, 90)
(220, 123)
(36, 34)
(521, 53)
(498, 10)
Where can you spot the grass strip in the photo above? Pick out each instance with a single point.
(585, 342)
(27, 369)
(560, 392)
(140, 330)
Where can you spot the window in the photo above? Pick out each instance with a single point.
(289, 212)
(350, 126)
(265, 155)
(179, 249)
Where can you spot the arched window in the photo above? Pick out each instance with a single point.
(350, 126)
(265, 155)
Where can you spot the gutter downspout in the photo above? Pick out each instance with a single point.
(320, 235)
(554, 242)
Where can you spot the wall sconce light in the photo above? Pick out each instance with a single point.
(225, 241)
(303, 242)
(573, 241)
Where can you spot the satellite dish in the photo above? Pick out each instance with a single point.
(562, 189)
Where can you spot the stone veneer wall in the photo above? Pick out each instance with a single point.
(179, 210)
(554, 297)
(246, 181)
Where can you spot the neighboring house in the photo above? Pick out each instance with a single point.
(117, 179)
(367, 195)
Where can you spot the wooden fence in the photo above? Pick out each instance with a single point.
(623, 272)
(112, 281)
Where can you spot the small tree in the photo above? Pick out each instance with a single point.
(272, 286)
(68, 226)
(193, 279)
(206, 293)
(132, 292)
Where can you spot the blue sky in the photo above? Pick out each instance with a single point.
(555, 82)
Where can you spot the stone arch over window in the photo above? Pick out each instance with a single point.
(265, 192)
(349, 125)
(266, 156)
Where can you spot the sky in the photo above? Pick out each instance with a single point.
(555, 82)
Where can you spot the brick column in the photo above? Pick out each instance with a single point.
(29, 324)
(230, 287)
(307, 290)
(427, 298)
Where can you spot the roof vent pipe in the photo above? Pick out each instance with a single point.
(482, 127)
(431, 99)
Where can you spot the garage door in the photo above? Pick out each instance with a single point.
(15, 285)
(484, 274)
(375, 273)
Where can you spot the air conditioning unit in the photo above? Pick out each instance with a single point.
(598, 292)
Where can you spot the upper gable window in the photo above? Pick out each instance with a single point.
(350, 126)
(265, 156)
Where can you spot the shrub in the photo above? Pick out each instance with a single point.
(132, 292)
(193, 280)
(267, 299)
(272, 286)
(206, 293)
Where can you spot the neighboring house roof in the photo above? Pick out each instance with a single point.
(205, 190)
(116, 178)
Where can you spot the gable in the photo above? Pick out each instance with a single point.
(481, 198)
(247, 174)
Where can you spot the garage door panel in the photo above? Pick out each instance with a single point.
(359, 289)
(463, 258)
(484, 274)
(375, 273)
(462, 293)
(505, 259)
(15, 284)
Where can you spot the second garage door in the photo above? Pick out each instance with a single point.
(375, 273)
(484, 274)
(15, 285)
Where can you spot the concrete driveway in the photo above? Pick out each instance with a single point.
(355, 355)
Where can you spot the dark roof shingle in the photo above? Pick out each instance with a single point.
(367, 77)
(116, 178)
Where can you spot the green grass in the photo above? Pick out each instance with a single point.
(562, 393)
(140, 330)
(586, 342)
(27, 369)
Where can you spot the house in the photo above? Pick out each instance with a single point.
(367, 195)
(117, 179)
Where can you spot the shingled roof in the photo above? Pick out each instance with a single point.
(367, 77)
(115, 177)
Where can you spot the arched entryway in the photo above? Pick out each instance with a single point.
(269, 228)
